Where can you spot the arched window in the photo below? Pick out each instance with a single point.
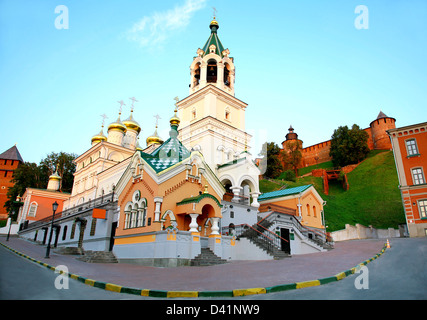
(227, 114)
(196, 78)
(227, 79)
(127, 216)
(314, 212)
(64, 233)
(308, 209)
(212, 71)
(133, 217)
(142, 212)
(33, 209)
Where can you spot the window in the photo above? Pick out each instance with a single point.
(418, 176)
(211, 71)
(127, 217)
(227, 114)
(141, 216)
(411, 147)
(193, 113)
(64, 233)
(314, 212)
(308, 209)
(33, 209)
(73, 230)
(135, 212)
(93, 227)
(422, 205)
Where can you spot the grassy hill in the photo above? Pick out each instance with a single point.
(373, 198)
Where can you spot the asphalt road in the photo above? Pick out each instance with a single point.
(400, 273)
(21, 279)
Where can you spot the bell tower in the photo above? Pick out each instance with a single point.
(213, 120)
(212, 65)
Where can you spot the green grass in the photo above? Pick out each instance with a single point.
(323, 165)
(373, 198)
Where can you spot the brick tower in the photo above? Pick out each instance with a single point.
(379, 129)
(9, 161)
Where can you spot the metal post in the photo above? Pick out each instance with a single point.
(54, 207)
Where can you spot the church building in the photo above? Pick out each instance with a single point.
(178, 199)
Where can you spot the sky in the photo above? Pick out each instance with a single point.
(315, 65)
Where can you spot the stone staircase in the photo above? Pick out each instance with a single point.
(270, 249)
(207, 258)
(69, 251)
(98, 257)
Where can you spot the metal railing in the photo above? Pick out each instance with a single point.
(70, 212)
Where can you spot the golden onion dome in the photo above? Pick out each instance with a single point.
(174, 121)
(154, 139)
(99, 137)
(214, 23)
(131, 124)
(55, 176)
(117, 125)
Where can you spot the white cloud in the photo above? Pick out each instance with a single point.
(153, 30)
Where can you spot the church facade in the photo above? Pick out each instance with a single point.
(170, 202)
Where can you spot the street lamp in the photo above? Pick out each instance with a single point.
(54, 207)
(17, 201)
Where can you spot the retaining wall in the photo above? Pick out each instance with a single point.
(361, 232)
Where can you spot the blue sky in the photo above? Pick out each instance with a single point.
(300, 63)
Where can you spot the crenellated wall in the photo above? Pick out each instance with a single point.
(377, 140)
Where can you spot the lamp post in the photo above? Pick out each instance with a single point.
(54, 207)
(17, 201)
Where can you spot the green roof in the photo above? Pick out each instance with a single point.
(198, 198)
(213, 39)
(283, 193)
(234, 161)
(168, 154)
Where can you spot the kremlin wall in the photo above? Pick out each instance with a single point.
(319, 153)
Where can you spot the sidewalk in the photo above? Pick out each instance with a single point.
(229, 276)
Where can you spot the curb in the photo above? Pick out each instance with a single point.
(207, 294)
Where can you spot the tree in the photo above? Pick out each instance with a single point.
(31, 175)
(292, 155)
(64, 162)
(26, 175)
(348, 146)
(271, 152)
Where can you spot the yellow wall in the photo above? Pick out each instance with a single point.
(310, 210)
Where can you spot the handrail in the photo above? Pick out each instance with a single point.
(74, 211)
(275, 234)
(318, 232)
(245, 224)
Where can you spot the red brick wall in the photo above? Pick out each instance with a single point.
(6, 172)
(377, 139)
(379, 134)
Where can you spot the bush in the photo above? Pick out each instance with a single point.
(289, 175)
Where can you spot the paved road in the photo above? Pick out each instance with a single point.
(21, 279)
(400, 273)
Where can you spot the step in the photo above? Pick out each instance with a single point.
(98, 257)
(69, 251)
(207, 258)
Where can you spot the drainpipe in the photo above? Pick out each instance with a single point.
(299, 205)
